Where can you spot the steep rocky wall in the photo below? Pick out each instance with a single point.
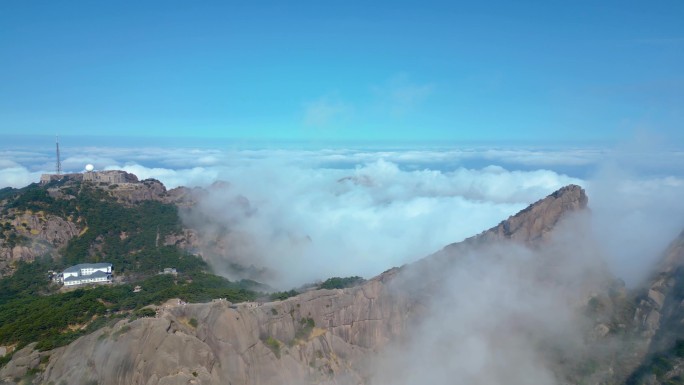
(134, 192)
(269, 343)
(333, 336)
(235, 344)
(659, 321)
(535, 223)
(41, 234)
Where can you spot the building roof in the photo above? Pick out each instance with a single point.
(77, 268)
(97, 274)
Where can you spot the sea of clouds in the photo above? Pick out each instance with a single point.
(316, 213)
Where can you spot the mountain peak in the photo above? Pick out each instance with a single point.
(538, 219)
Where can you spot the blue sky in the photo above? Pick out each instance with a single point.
(387, 123)
(561, 72)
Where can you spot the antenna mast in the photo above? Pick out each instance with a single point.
(59, 163)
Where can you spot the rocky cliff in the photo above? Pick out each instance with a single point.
(536, 222)
(27, 235)
(41, 220)
(659, 321)
(578, 325)
(321, 336)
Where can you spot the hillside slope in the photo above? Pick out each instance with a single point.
(528, 301)
(322, 336)
(52, 226)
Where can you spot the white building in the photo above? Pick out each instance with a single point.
(87, 273)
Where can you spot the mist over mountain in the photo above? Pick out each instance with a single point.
(534, 299)
(341, 193)
(358, 211)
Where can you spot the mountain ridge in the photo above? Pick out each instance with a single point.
(340, 336)
(322, 336)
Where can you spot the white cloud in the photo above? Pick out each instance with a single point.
(17, 176)
(498, 314)
(344, 211)
(189, 177)
(311, 214)
(101, 157)
(308, 223)
(544, 157)
(635, 218)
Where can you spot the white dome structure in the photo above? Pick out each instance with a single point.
(89, 167)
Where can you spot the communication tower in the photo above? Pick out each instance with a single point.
(59, 162)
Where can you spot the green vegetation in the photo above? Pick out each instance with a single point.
(57, 319)
(594, 306)
(274, 345)
(193, 322)
(145, 312)
(122, 330)
(33, 309)
(29, 280)
(282, 295)
(660, 364)
(676, 380)
(586, 367)
(306, 326)
(678, 349)
(341, 283)
(127, 236)
(5, 359)
(9, 234)
(36, 198)
(7, 192)
(669, 356)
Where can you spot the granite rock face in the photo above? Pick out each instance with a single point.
(42, 234)
(23, 361)
(321, 336)
(334, 336)
(659, 313)
(536, 221)
(134, 192)
(318, 337)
